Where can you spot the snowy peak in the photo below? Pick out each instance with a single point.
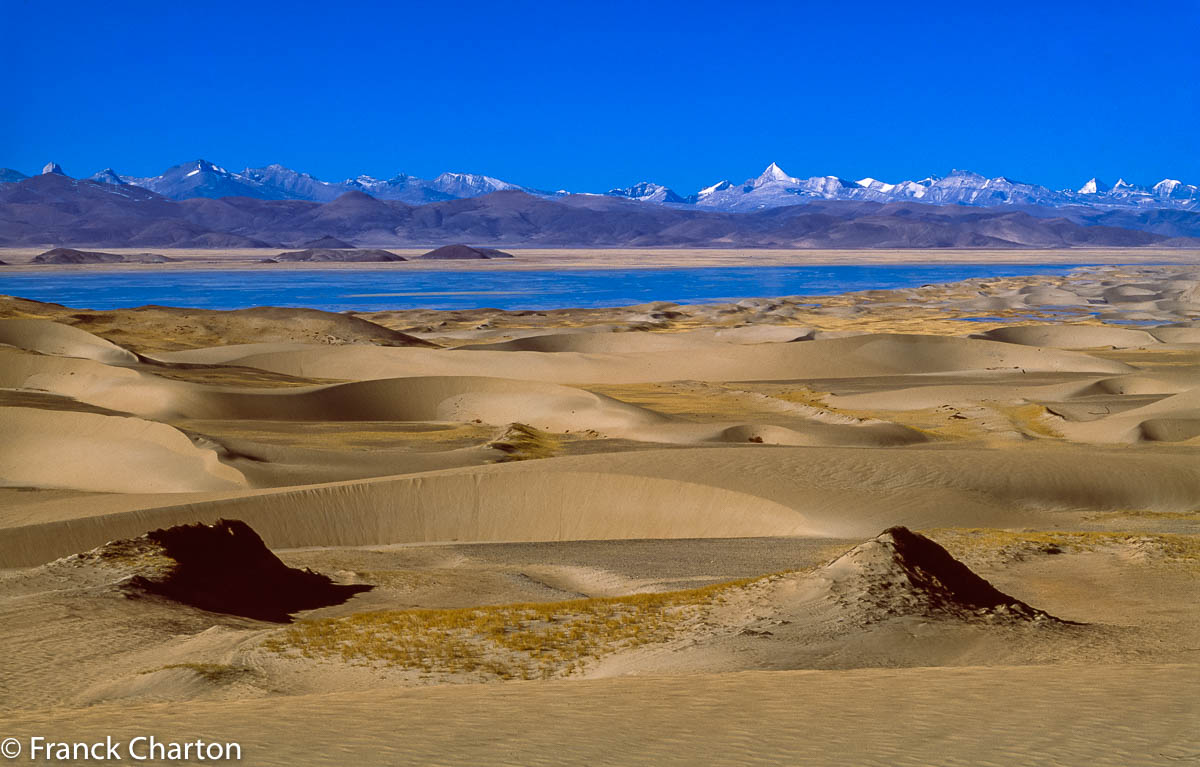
(52, 167)
(720, 186)
(773, 174)
(646, 191)
(1094, 186)
(1174, 189)
(875, 185)
(469, 184)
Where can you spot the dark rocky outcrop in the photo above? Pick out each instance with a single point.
(223, 567)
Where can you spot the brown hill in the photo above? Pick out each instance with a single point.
(352, 255)
(72, 256)
(460, 252)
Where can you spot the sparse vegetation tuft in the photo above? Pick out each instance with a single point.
(217, 673)
(521, 442)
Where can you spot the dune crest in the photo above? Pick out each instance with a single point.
(114, 454)
(863, 355)
(48, 337)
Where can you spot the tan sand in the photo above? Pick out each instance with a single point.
(657, 521)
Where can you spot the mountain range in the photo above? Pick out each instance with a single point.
(773, 188)
(53, 209)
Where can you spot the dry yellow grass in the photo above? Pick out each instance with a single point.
(525, 641)
(348, 435)
(1030, 419)
(1146, 514)
(975, 543)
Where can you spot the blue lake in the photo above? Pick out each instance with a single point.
(381, 288)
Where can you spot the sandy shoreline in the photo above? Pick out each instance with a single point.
(669, 520)
(615, 258)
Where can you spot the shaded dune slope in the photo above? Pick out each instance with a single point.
(47, 337)
(550, 407)
(710, 492)
(866, 355)
(89, 451)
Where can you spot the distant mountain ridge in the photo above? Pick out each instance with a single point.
(773, 188)
(201, 178)
(56, 210)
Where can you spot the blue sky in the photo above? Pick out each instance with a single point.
(593, 95)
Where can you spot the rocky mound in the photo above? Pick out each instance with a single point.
(899, 572)
(461, 252)
(72, 256)
(224, 567)
(352, 255)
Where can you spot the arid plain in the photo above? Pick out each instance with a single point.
(955, 524)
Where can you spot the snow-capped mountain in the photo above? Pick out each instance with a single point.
(1094, 186)
(772, 188)
(647, 192)
(459, 185)
(775, 188)
(200, 178)
(286, 184)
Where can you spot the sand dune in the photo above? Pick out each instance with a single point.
(476, 488)
(594, 342)
(1072, 336)
(916, 397)
(866, 355)
(548, 407)
(1174, 418)
(46, 337)
(832, 492)
(1176, 335)
(145, 328)
(895, 717)
(1158, 382)
(431, 398)
(94, 383)
(86, 451)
